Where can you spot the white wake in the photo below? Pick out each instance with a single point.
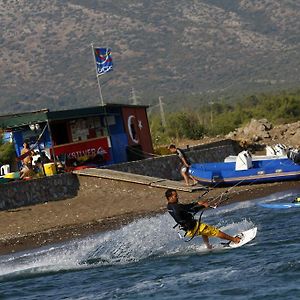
(145, 238)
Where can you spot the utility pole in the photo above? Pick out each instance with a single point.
(162, 113)
(133, 97)
(211, 103)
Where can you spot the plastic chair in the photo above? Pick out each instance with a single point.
(4, 170)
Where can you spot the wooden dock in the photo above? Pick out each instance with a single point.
(139, 179)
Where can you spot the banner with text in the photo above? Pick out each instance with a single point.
(86, 149)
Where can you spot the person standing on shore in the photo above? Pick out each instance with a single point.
(183, 214)
(185, 164)
(26, 154)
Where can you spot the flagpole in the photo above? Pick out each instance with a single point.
(98, 80)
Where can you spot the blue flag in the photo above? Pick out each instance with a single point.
(103, 60)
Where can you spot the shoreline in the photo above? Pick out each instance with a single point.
(31, 227)
(67, 233)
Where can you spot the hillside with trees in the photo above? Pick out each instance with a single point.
(222, 118)
(194, 52)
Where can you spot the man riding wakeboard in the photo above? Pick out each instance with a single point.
(183, 214)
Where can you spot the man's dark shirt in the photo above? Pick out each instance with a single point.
(182, 155)
(183, 214)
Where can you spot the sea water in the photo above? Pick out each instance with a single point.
(147, 260)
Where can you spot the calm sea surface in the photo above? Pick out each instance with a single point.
(147, 260)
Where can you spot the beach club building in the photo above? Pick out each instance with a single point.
(115, 133)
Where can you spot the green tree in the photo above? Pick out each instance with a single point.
(7, 152)
(184, 125)
(158, 132)
(221, 117)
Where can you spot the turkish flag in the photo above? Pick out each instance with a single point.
(137, 128)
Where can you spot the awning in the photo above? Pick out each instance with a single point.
(22, 119)
(11, 121)
(76, 113)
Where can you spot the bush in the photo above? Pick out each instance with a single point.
(7, 152)
(184, 125)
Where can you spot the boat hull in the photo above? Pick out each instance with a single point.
(262, 171)
(232, 158)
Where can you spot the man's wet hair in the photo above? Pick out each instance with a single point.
(172, 146)
(169, 192)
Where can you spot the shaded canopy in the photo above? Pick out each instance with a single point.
(8, 122)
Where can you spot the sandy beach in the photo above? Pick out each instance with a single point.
(97, 209)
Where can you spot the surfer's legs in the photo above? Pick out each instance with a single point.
(206, 242)
(225, 236)
(221, 235)
(206, 231)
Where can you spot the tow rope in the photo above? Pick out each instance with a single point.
(222, 199)
(199, 219)
(198, 226)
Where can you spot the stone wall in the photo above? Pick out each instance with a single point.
(21, 193)
(168, 166)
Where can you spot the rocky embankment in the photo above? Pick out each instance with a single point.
(256, 135)
(261, 133)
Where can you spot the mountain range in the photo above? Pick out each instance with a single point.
(190, 51)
